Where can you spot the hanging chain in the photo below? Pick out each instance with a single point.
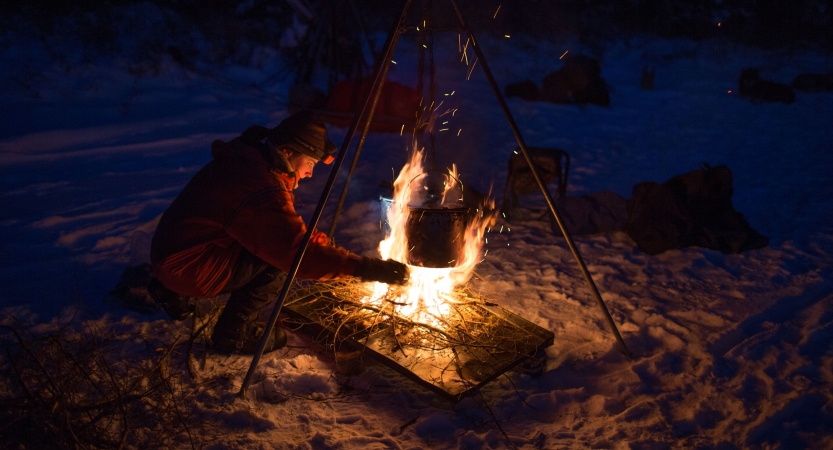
(426, 105)
(420, 69)
(432, 86)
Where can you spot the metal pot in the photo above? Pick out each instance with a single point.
(436, 236)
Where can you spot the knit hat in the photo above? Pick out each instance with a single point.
(306, 133)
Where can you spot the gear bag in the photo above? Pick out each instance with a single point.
(692, 209)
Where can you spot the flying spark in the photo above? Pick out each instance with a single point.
(562, 55)
(472, 69)
(465, 55)
(498, 9)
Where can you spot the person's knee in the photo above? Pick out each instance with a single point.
(266, 284)
(271, 278)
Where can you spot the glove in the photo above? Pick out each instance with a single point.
(387, 271)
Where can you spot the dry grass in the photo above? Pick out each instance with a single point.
(455, 352)
(86, 387)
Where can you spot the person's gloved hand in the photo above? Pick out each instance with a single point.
(387, 271)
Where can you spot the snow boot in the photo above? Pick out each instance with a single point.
(131, 291)
(252, 286)
(176, 306)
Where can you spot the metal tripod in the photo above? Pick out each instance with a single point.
(365, 116)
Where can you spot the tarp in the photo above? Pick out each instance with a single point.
(397, 106)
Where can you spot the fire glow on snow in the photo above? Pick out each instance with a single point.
(732, 351)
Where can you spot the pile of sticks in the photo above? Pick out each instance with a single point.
(83, 388)
(343, 310)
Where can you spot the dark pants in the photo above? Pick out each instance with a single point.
(253, 284)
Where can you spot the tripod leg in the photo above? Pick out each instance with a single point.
(517, 132)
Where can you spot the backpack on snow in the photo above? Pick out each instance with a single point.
(692, 209)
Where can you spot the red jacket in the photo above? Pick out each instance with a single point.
(238, 200)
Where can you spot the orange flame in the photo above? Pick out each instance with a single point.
(428, 289)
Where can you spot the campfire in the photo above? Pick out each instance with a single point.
(432, 231)
(438, 329)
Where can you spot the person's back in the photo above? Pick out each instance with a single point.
(234, 229)
(238, 198)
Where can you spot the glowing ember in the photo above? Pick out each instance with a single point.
(427, 292)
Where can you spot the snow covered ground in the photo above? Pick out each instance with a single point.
(729, 351)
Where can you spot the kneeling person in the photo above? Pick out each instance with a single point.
(233, 229)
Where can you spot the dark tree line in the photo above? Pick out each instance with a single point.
(233, 29)
(764, 23)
